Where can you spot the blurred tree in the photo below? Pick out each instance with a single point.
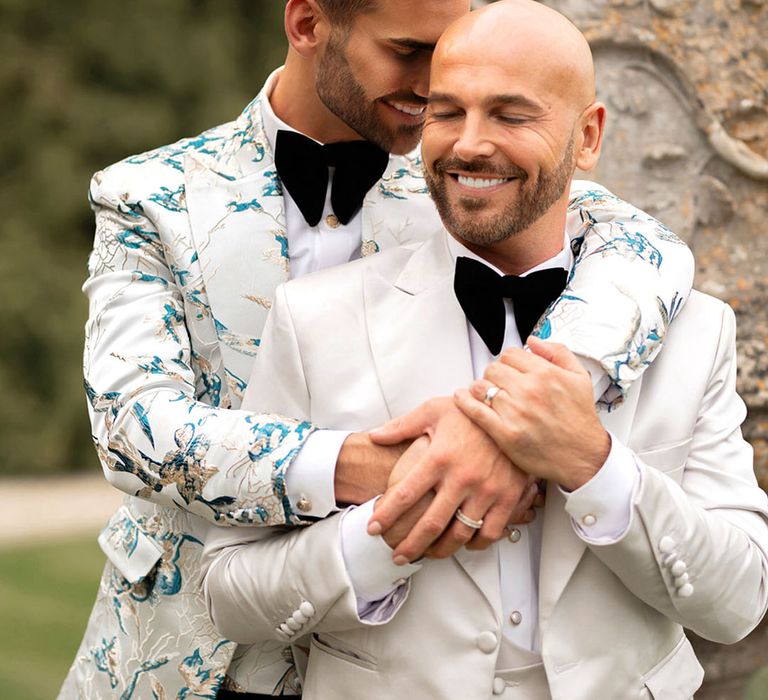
(84, 83)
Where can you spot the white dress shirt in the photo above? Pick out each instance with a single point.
(600, 511)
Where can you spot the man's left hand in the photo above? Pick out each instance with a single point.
(543, 416)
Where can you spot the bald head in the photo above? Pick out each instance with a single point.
(528, 36)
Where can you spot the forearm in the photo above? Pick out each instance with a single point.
(722, 592)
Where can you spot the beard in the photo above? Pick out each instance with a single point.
(464, 216)
(343, 95)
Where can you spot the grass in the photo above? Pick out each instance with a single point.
(46, 594)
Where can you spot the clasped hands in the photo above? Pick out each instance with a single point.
(487, 458)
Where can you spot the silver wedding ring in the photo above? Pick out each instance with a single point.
(490, 394)
(469, 522)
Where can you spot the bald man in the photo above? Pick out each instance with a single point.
(653, 520)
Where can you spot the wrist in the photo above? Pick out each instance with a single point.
(363, 468)
(588, 466)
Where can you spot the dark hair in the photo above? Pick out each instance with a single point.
(342, 12)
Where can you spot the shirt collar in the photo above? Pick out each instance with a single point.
(563, 259)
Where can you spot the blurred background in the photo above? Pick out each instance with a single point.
(85, 83)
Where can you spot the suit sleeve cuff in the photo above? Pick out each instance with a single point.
(309, 479)
(369, 559)
(601, 509)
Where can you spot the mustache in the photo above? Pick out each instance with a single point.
(480, 165)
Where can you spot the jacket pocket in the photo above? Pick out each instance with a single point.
(325, 644)
(669, 458)
(132, 551)
(677, 676)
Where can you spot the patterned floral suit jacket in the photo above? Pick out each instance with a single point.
(190, 246)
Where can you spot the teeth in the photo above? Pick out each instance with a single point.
(413, 111)
(481, 182)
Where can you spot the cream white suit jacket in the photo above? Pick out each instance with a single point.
(354, 346)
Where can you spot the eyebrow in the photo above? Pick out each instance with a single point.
(413, 44)
(512, 100)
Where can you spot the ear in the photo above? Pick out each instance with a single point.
(306, 26)
(590, 137)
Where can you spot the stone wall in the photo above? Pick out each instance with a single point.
(686, 86)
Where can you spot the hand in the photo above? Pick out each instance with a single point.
(398, 532)
(363, 468)
(544, 418)
(466, 469)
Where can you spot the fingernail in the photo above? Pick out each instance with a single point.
(374, 528)
(400, 560)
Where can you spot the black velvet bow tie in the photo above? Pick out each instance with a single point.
(481, 293)
(302, 165)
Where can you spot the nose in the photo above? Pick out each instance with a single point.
(474, 139)
(420, 76)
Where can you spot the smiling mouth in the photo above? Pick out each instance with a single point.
(479, 183)
(410, 110)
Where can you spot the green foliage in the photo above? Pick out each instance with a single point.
(84, 83)
(46, 594)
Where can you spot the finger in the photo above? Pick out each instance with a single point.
(555, 353)
(401, 497)
(524, 511)
(479, 389)
(396, 430)
(494, 524)
(520, 360)
(458, 534)
(430, 526)
(479, 413)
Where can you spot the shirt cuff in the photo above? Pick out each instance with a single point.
(369, 559)
(601, 382)
(601, 509)
(310, 478)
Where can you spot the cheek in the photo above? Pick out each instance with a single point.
(436, 142)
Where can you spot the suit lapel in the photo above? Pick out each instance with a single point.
(238, 225)
(562, 548)
(420, 345)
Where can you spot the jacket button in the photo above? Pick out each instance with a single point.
(498, 686)
(678, 568)
(681, 580)
(666, 545)
(287, 630)
(685, 591)
(295, 626)
(307, 609)
(300, 617)
(486, 642)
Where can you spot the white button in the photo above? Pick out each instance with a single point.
(307, 609)
(295, 626)
(678, 568)
(681, 580)
(670, 559)
(300, 617)
(498, 686)
(486, 642)
(685, 591)
(514, 536)
(287, 630)
(666, 545)
(304, 504)
(589, 519)
(516, 617)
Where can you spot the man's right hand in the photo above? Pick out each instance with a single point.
(465, 469)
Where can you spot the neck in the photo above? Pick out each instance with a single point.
(295, 100)
(530, 247)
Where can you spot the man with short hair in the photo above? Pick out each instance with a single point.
(191, 241)
(653, 519)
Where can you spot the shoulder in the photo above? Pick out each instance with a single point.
(159, 173)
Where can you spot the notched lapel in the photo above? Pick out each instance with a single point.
(417, 331)
(562, 548)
